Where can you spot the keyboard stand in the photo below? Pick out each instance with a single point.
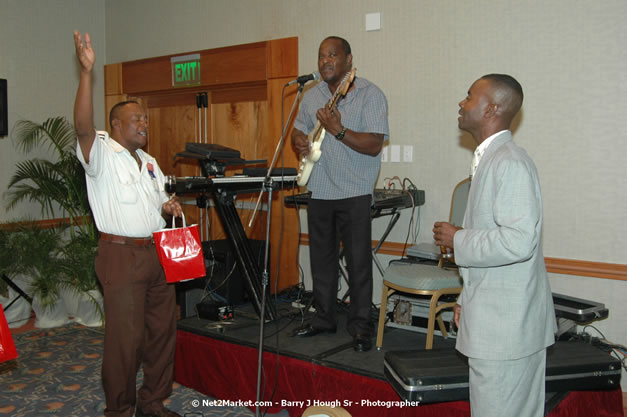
(394, 214)
(225, 205)
(379, 210)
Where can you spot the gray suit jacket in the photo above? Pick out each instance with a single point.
(507, 307)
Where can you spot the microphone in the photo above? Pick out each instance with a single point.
(305, 78)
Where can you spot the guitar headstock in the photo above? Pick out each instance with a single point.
(347, 81)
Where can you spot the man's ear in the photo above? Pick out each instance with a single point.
(116, 123)
(349, 60)
(492, 110)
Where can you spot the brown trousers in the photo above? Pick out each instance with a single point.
(140, 328)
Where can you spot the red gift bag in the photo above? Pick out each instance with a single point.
(7, 347)
(180, 252)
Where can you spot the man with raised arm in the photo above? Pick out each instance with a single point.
(128, 200)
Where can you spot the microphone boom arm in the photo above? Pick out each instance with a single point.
(277, 151)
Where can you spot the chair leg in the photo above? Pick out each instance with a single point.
(441, 325)
(431, 324)
(385, 293)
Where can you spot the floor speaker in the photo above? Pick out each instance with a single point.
(224, 277)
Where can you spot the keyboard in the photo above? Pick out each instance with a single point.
(383, 198)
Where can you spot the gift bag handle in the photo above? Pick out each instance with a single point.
(174, 223)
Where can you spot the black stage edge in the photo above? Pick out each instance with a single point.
(329, 350)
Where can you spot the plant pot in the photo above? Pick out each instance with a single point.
(53, 316)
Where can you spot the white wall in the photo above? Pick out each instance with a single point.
(570, 58)
(37, 60)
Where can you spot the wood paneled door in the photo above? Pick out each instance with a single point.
(245, 96)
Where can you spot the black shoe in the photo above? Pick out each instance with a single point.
(361, 343)
(164, 412)
(308, 331)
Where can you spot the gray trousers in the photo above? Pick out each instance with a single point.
(508, 388)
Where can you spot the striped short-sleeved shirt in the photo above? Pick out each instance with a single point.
(342, 172)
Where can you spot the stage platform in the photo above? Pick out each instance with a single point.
(219, 359)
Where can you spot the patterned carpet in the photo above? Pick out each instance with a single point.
(58, 374)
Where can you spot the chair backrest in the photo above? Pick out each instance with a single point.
(458, 202)
(456, 216)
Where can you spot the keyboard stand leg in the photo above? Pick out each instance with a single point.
(246, 260)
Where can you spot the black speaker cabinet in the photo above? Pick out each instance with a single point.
(4, 119)
(224, 277)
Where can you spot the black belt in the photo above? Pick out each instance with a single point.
(124, 240)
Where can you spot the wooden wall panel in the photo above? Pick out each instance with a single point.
(281, 215)
(218, 67)
(113, 79)
(170, 127)
(147, 75)
(241, 126)
(245, 83)
(283, 58)
(233, 65)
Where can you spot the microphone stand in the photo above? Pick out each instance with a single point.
(267, 187)
(279, 146)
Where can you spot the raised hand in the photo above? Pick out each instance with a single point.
(84, 52)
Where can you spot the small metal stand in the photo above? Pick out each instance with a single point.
(17, 289)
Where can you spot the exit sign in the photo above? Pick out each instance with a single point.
(185, 70)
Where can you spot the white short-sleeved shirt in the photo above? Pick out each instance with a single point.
(124, 200)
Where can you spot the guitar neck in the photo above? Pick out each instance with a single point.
(314, 135)
(340, 91)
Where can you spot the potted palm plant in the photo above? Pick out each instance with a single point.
(36, 260)
(58, 186)
(16, 308)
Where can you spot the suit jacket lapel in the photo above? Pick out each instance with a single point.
(497, 142)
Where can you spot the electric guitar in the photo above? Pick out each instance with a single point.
(317, 134)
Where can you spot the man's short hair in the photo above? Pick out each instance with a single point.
(115, 110)
(345, 45)
(509, 90)
(507, 81)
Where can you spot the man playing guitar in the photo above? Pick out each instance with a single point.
(341, 183)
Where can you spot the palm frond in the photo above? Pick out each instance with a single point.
(37, 180)
(57, 133)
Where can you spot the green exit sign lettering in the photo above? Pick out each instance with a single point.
(185, 70)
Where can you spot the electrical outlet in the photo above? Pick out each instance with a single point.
(373, 21)
(408, 153)
(395, 153)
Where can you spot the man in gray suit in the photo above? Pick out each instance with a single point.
(505, 312)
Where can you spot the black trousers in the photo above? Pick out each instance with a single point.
(331, 222)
